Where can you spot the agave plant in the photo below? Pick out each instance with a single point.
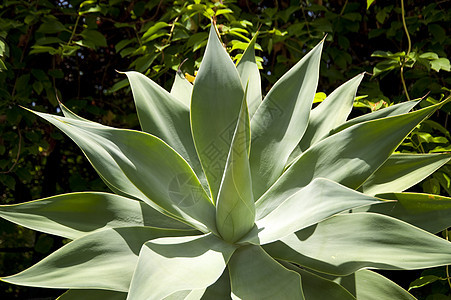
(223, 195)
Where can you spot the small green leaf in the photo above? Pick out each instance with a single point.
(422, 281)
(182, 89)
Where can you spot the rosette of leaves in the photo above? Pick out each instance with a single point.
(223, 195)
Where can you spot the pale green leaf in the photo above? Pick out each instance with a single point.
(348, 157)
(280, 121)
(330, 113)
(166, 117)
(256, 275)
(92, 295)
(129, 160)
(394, 110)
(215, 106)
(100, 260)
(428, 212)
(250, 76)
(376, 241)
(402, 171)
(317, 287)
(69, 114)
(74, 215)
(319, 200)
(235, 206)
(182, 89)
(369, 285)
(169, 265)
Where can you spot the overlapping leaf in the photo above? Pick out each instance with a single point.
(175, 190)
(74, 215)
(169, 265)
(348, 157)
(215, 106)
(100, 260)
(280, 121)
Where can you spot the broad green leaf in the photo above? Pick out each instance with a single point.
(235, 206)
(319, 200)
(220, 290)
(402, 171)
(100, 260)
(317, 287)
(394, 110)
(182, 89)
(256, 275)
(377, 241)
(92, 295)
(74, 215)
(215, 106)
(369, 285)
(280, 121)
(166, 117)
(169, 265)
(428, 212)
(175, 191)
(330, 113)
(250, 77)
(348, 157)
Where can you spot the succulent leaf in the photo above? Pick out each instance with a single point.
(182, 89)
(377, 241)
(176, 191)
(428, 212)
(265, 277)
(92, 295)
(402, 171)
(250, 76)
(319, 200)
(100, 260)
(77, 214)
(348, 157)
(235, 206)
(215, 106)
(280, 121)
(198, 260)
(163, 116)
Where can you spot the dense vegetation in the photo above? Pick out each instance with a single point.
(71, 49)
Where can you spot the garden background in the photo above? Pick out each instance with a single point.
(70, 50)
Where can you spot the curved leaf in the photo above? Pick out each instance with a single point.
(250, 76)
(169, 265)
(92, 295)
(429, 212)
(215, 106)
(317, 287)
(100, 260)
(319, 200)
(162, 115)
(402, 171)
(255, 275)
(182, 89)
(348, 157)
(281, 119)
(76, 214)
(378, 241)
(330, 113)
(235, 207)
(394, 110)
(369, 285)
(144, 166)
